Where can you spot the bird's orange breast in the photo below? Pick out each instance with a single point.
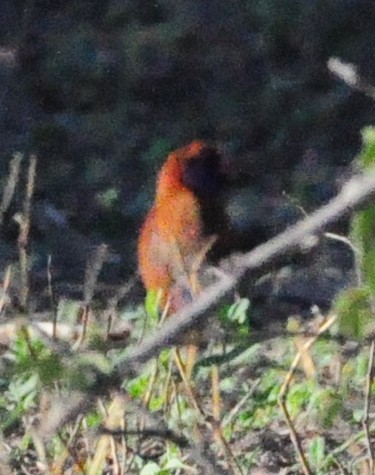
(173, 234)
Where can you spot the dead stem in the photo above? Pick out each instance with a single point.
(366, 410)
(23, 237)
(10, 187)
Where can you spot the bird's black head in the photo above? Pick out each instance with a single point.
(203, 174)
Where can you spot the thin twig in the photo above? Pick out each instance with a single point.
(366, 410)
(167, 387)
(356, 253)
(151, 384)
(84, 320)
(162, 433)
(189, 391)
(333, 236)
(348, 73)
(236, 409)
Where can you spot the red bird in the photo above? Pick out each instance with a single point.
(183, 223)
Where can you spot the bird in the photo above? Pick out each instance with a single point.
(182, 227)
(184, 222)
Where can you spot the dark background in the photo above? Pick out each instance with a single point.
(103, 90)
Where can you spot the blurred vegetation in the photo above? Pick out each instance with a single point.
(156, 421)
(102, 90)
(355, 305)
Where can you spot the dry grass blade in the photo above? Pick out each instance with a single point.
(216, 398)
(189, 391)
(58, 464)
(93, 268)
(10, 187)
(307, 362)
(6, 282)
(285, 388)
(213, 426)
(51, 294)
(106, 444)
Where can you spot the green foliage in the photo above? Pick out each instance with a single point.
(34, 358)
(364, 221)
(366, 158)
(238, 311)
(262, 409)
(355, 315)
(19, 398)
(152, 306)
(151, 468)
(300, 395)
(235, 318)
(87, 370)
(325, 405)
(138, 386)
(354, 305)
(316, 453)
(316, 404)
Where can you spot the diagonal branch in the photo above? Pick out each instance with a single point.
(354, 194)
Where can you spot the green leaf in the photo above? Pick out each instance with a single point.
(174, 464)
(152, 303)
(138, 386)
(238, 311)
(316, 452)
(151, 468)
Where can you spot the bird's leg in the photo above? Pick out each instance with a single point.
(192, 349)
(197, 263)
(192, 274)
(179, 262)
